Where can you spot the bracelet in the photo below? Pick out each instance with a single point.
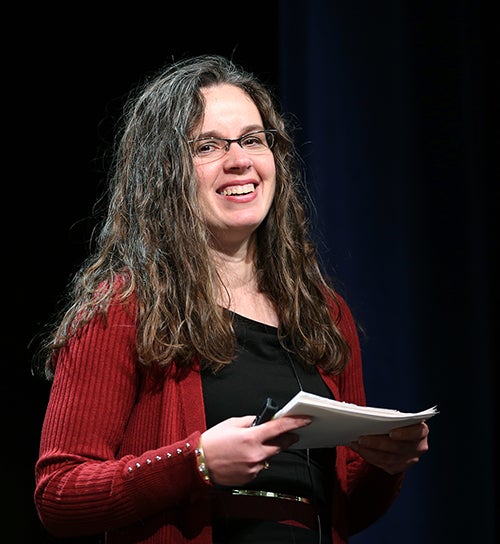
(202, 464)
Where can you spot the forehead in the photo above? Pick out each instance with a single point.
(228, 105)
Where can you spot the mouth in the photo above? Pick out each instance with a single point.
(237, 190)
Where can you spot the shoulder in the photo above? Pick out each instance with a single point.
(114, 306)
(342, 314)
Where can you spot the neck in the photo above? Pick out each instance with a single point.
(236, 267)
(239, 291)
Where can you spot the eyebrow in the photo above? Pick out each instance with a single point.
(216, 134)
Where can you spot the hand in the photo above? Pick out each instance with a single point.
(394, 452)
(235, 452)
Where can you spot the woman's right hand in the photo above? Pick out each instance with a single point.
(235, 452)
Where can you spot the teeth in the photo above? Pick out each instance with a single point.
(238, 190)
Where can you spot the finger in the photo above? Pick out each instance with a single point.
(393, 463)
(385, 446)
(285, 424)
(246, 421)
(279, 433)
(410, 433)
(388, 444)
(279, 443)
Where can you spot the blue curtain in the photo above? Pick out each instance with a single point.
(392, 102)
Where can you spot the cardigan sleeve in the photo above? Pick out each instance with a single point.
(367, 491)
(82, 485)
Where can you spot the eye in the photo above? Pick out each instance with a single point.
(254, 140)
(207, 146)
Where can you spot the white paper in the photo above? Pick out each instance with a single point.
(338, 423)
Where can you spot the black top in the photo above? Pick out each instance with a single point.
(264, 369)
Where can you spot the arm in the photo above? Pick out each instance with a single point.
(81, 485)
(99, 394)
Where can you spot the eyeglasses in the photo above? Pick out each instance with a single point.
(211, 148)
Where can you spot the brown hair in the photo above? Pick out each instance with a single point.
(155, 242)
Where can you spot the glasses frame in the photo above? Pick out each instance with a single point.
(269, 134)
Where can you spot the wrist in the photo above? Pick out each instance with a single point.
(202, 463)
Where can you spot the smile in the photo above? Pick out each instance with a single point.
(238, 190)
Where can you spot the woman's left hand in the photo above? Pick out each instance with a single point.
(394, 452)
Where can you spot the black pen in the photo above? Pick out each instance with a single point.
(268, 410)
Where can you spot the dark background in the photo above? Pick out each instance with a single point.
(397, 105)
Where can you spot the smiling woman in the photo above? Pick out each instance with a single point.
(203, 297)
(226, 172)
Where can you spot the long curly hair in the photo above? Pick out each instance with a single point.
(153, 246)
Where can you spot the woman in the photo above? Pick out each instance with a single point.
(203, 297)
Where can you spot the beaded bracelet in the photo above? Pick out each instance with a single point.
(202, 464)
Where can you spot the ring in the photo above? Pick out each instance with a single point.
(266, 465)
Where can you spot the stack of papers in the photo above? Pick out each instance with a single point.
(338, 423)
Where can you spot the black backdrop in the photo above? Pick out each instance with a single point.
(398, 114)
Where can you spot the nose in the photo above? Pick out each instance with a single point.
(237, 156)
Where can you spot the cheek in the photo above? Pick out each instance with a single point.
(202, 175)
(266, 169)
(206, 178)
(271, 175)
(271, 168)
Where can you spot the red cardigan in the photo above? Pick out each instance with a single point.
(118, 440)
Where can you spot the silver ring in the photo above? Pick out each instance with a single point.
(266, 465)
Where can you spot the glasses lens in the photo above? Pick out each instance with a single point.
(270, 138)
(211, 149)
(257, 142)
